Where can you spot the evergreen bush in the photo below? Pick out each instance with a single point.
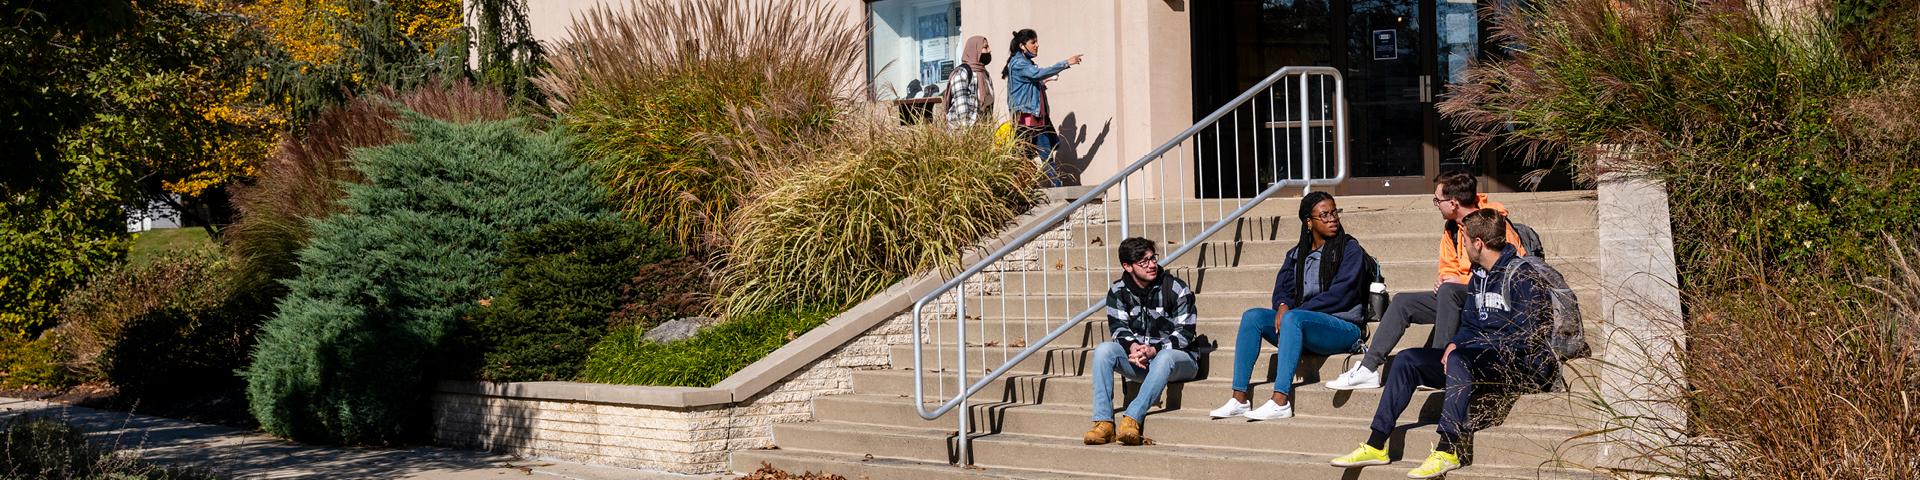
(552, 301)
(350, 352)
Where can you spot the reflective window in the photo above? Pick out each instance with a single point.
(913, 47)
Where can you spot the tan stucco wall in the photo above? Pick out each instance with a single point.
(1133, 92)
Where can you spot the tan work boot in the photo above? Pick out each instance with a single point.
(1101, 434)
(1130, 431)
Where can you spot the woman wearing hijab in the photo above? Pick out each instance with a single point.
(970, 89)
(1027, 96)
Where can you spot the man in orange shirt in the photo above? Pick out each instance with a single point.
(1455, 194)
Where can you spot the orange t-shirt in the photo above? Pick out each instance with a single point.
(1455, 266)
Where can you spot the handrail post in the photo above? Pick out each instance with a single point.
(960, 324)
(1125, 198)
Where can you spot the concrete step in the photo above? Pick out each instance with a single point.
(1171, 227)
(1214, 305)
(1518, 203)
(868, 467)
(1559, 410)
(1506, 445)
(1402, 276)
(1052, 453)
(1388, 248)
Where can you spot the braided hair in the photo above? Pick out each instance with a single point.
(1329, 253)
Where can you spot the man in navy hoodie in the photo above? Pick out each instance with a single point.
(1501, 342)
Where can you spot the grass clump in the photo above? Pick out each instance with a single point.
(1787, 150)
(883, 202)
(350, 352)
(625, 357)
(683, 104)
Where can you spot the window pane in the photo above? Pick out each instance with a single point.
(913, 47)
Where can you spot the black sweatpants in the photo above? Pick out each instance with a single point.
(1439, 308)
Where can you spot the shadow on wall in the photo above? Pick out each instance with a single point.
(1073, 135)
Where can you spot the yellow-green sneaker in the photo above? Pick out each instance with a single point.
(1438, 463)
(1363, 456)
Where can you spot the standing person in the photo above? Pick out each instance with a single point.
(1151, 317)
(1317, 301)
(1455, 194)
(970, 89)
(1027, 97)
(1501, 345)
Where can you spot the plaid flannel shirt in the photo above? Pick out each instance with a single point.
(1149, 320)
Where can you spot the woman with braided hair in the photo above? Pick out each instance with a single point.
(1318, 302)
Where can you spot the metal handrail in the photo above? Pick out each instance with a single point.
(1098, 192)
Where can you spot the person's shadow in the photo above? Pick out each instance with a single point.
(1073, 136)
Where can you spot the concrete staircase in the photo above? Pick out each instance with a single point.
(1028, 424)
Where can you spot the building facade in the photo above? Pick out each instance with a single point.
(1153, 66)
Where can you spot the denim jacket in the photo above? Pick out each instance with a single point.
(1024, 83)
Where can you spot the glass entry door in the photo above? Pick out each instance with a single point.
(1395, 54)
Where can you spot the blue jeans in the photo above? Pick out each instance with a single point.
(1043, 143)
(1315, 332)
(1466, 371)
(1168, 365)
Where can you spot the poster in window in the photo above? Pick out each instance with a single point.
(932, 32)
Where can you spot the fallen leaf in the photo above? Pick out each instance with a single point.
(1097, 242)
(1018, 343)
(486, 302)
(992, 343)
(867, 457)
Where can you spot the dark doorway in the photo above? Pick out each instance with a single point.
(1395, 55)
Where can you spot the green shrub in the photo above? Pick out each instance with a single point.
(551, 303)
(165, 327)
(624, 357)
(349, 354)
(1788, 154)
(32, 363)
(37, 448)
(684, 104)
(303, 181)
(886, 201)
(51, 242)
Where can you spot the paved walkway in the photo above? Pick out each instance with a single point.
(254, 455)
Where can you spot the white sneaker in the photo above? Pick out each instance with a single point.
(1357, 378)
(1271, 411)
(1231, 409)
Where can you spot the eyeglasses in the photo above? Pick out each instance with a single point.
(1145, 261)
(1438, 200)
(1329, 215)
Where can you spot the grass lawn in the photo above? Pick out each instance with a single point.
(150, 245)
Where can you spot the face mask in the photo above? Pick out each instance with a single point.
(986, 58)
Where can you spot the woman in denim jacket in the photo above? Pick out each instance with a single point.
(1027, 96)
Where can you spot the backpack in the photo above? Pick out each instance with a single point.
(1529, 239)
(1568, 338)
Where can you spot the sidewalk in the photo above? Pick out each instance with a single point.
(253, 455)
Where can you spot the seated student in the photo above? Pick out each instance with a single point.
(1317, 302)
(1455, 194)
(1501, 344)
(1151, 317)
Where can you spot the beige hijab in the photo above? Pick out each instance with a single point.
(970, 55)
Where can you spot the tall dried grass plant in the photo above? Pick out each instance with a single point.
(1790, 167)
(882, 202)
(684, 103)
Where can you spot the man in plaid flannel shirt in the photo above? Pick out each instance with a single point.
(1151, 317)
